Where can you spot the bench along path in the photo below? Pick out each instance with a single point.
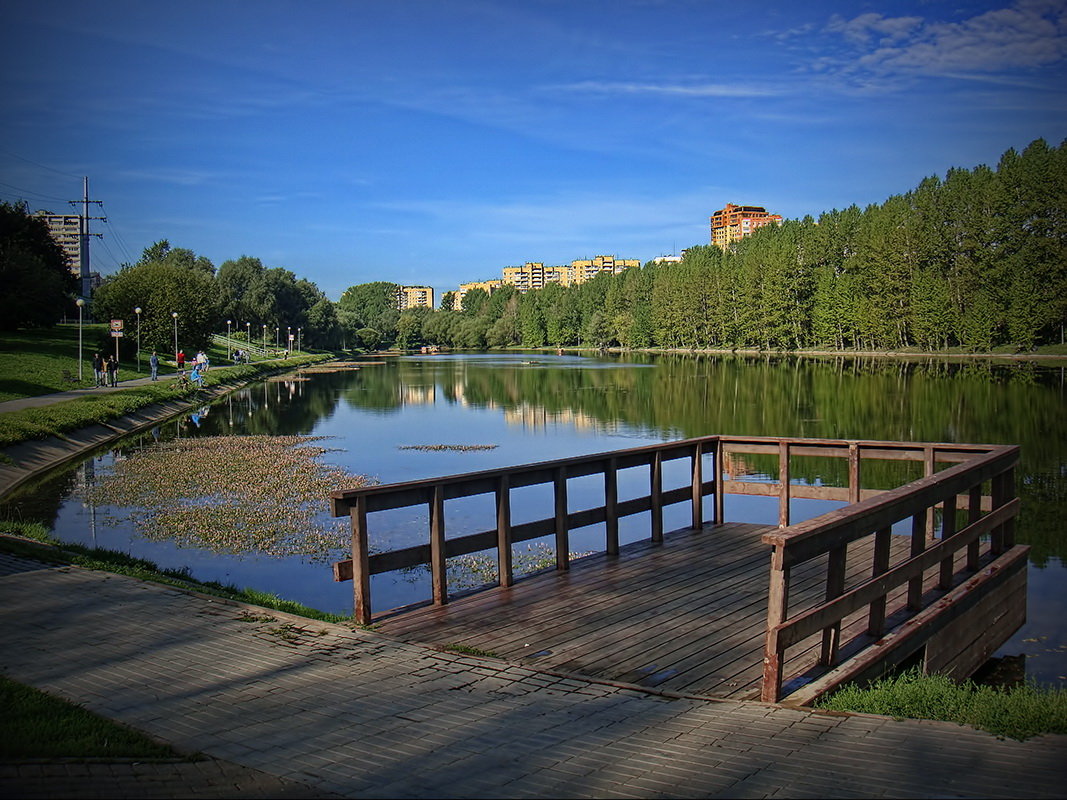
(687, 615)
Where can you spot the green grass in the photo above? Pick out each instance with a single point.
(1016, 713)
(36, 362)
(38, 543)
(37, 725)
(69, 415)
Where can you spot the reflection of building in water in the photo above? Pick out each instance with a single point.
(539, 417)
(420, 395)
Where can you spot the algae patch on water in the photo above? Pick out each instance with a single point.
(230, 494)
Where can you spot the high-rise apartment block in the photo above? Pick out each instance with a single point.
(66, 230)
(733, 223)
(414, 297)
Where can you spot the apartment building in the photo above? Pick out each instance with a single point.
(66, 230)
(535, 275)
(583, 270)
(486, 286)
(414, 297)
(733, 223)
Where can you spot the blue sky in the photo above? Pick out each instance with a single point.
(437, 142)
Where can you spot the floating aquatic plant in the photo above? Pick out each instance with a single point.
(231, 494)
(459, 448)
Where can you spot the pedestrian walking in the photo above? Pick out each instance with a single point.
(112, 367)
(153, 362)
(98, 369)
(181, 360)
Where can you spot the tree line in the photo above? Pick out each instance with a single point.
(977, 260)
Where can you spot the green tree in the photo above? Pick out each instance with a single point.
(38, 286)
(162, 289)
(373, 305)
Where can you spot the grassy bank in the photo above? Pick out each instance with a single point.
(37, 725)
(1017, 713)
(37, 542)
(70, 415)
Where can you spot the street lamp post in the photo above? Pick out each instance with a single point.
(277, 338)
(174, 314)
(288, 338)
(229, 344)
(298, 330)
(137, 311)
(81, 304)
(248, 333)
(264, 336)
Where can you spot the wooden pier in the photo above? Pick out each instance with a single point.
(727, 609)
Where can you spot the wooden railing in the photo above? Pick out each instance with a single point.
(984, 540)
(435, 492)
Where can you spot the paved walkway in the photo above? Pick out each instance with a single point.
(289, 707)
(40, 400)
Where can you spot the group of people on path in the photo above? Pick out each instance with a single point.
(106, 370)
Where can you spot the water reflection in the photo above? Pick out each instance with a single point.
(534, 406)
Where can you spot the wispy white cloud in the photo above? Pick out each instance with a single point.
(669, 89)
(178, 177)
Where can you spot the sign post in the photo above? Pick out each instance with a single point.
(116, 334)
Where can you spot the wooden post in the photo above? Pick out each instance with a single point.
(783, 484)
(360, 562)
(854, 472)
(876, 614)
(438, 564)
(1003, 490)
(929, 463)
(656, 496)
(948, 527)
(698, 486)
(563, 548)
(918, 544)
(717, 516)
(835, 587)
(505, 570)
(611, 507)
(974, 513)
(777, 610)
(1009, 495)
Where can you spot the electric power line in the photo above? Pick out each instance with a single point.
(31, 195)
(38, 164)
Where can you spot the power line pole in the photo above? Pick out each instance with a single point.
(83, 236)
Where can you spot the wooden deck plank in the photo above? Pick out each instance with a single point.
(688, 614)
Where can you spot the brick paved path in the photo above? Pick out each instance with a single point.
(291, 707)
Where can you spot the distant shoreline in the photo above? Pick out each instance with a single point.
(893, 354)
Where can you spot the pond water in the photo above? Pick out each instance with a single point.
(524, 407)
